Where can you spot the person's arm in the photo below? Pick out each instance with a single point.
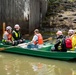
(35, 38)
(57, 42)
(5, 36)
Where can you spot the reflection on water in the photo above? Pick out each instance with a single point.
(11, 64)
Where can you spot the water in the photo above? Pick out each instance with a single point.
(12, 64)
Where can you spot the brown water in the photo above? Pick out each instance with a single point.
(12, 64)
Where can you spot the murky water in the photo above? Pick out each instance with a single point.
(12, 64)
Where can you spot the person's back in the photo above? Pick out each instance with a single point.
(63, 45)
(60, 43)
(68, 42)
(68, 39)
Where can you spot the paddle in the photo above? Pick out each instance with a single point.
(48, 39)
(1, 49)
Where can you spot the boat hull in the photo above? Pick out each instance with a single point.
(43, 52)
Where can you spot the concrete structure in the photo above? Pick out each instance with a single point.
(37, 10)
(27, 13)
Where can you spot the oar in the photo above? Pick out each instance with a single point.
(48, 39)
(1, 49)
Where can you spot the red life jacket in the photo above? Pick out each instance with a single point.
(9, 37)
(68, 42)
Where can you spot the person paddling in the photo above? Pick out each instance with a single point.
(37, 40)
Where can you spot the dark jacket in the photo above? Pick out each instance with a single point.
(60, 42)
(14, 35)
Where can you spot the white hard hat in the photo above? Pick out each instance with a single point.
(17, 26)
(59, 32)
(71, 31)
(8, 28)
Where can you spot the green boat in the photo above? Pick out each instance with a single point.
(45, 51)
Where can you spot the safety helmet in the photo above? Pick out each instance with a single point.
(71, 31)
(16, 26)
(8, 28)
(59, 33)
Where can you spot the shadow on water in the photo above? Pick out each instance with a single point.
(72, 60)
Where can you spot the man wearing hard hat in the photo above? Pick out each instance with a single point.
(16, 35)
(60, 42)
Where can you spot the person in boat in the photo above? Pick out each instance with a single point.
(74, 40)
(68, 39)
(7, 36)
(70, 33)
(16, 35)
(60, 45)
(37, 40)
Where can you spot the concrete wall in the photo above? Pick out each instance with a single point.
(38, 9)
(26, 13)
(44, 7)
(34, 14)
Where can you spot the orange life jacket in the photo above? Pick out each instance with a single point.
(40, 39)
(9, 37)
